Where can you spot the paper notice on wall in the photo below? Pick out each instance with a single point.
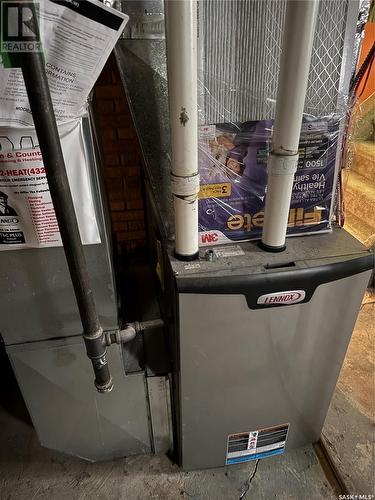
(26, 211)
(27, 216)
(78, 37)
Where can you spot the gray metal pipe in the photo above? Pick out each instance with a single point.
(45, 125)
(151, 324)
(130, 331)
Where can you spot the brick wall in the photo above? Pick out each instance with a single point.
(121, 159)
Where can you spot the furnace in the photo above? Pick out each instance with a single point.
(238, 349)
(258, 342)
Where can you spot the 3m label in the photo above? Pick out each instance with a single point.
(215, 190)
(229, 251)
(252, 445)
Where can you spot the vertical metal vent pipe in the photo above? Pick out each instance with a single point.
(45, 125)
(181, 37)
(292, 85)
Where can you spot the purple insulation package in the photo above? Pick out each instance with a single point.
(233, 175)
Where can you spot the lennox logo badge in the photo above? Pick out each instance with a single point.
(209, 237)
(284, 298)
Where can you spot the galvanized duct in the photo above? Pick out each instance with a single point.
(240, 45)
(238, 62)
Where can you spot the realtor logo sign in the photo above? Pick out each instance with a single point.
(20, 30)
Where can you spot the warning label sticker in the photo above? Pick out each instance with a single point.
(207, 133)
(215, 190)
(229, 251)
(252, 445)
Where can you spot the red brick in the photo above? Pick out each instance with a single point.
(133, 195)
(117, 194)
(115, 77)
(104, 107)
(111, 159)
(108, 91)
(135, 225)
(117, 206)
(132, 182)
(131, 171)
(112, 184)
(128, 215)
(125, 133)
(121, 106)
(115, 120)
(120, 226)
(122, 160)
(134, 150)
(134, 204)
(132, 167)
(112, 172)
(133, 189)
(132, 246)
(130, 235)
(107, 134)
(117, 146)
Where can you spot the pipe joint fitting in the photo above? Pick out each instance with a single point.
(185, 186)
(282, 165)
(130, 331)
(127, 334)
(102, 388)
(93, 336)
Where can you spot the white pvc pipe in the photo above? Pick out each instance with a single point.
(181, 36)
(294, 71)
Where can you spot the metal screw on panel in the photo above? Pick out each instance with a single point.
(210, 255)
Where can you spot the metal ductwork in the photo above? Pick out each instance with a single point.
(41, 106)
(251, 37)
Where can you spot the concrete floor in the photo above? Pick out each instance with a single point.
(349, 430)
(28, 471)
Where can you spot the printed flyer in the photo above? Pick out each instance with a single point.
(233, 174)
(26, 211)
(27, 216)
(77, 38)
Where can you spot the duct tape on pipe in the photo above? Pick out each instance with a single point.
(185, 186)
(282, 165)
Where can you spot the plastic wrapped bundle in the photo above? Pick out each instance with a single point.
(240, 47)
(238, 65)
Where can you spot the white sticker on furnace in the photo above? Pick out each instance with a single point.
(262, 443)
(253, 438)
(192, 265)
(229, 251)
